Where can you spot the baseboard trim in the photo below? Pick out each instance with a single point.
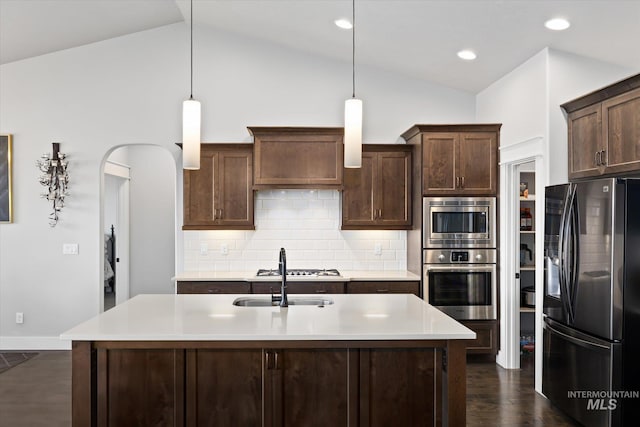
(34, 343)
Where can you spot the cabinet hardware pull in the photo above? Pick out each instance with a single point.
(267, 356)
(603, 160)
(275, 354)
(321, 291)
(457, 182)
(595, 158)
(382, 291)
(379, 213)
(462, 182)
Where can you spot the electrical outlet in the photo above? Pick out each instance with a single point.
(224, 249)
(19, 318)
(70, 249)
(204, 249)
(377, 249)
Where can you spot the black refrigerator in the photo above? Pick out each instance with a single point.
(591, 330)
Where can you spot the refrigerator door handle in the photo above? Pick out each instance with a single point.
(570, 265)
(575, 255)
(563, 248)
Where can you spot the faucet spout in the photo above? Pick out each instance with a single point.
(282, 266)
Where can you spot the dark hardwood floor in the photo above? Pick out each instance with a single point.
(506, 397)
(38, 393)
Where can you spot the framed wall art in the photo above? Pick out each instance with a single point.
(5, 179)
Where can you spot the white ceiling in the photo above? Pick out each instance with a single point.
(417, 38)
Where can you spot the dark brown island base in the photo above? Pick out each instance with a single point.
(338, 360)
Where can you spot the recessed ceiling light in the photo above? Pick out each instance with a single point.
(466, 54)
(345, 24)
(557, 24)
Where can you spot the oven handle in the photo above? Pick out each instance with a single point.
(457, 268)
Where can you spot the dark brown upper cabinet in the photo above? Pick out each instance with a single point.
(457, 159)
(604, 131)
(297, 157)
(219, 196)
(378, 195)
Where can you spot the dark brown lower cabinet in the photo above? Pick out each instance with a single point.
(486, 341)
(299, 287)
(384, 287)
(142, 387)
(224, 387)
(213, 287)
(279, 383)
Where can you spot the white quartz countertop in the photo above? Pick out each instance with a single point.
(345, 276)
(215, 318)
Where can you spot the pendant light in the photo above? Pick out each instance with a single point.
(353, 112)
(191, 122)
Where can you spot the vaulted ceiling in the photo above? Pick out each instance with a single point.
(414, 38)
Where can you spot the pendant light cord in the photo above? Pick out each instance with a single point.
(191, 42)
(353, 47)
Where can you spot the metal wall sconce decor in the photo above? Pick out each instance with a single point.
(55, 178)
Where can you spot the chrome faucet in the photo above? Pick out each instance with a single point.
(282, 267)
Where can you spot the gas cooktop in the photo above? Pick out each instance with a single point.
(300, 272)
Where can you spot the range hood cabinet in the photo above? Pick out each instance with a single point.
(297, 157)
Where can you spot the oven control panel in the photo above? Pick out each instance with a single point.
(468, 256)
(459, 256)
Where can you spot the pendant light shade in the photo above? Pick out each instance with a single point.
(191, 134)
(353, 133)
(191, 121)
(353, 111)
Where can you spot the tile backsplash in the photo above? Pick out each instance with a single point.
(307, 224)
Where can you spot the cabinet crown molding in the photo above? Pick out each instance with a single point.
(602, 94)
(469, 127)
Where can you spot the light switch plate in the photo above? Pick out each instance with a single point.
(224, 249)
(377, 249)
(70, 248)
(204, 249)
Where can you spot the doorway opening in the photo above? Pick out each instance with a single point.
(522, 167)
(137, 223)
(116, 234)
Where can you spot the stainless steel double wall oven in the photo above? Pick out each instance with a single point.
(459, 256)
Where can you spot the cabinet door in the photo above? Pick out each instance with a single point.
(357, 196)
(486, 341)
(392, 194)
(312, 387)
(224, 388)
(476, 163)
(140, 387)
(439, 163)
(219, 195)
(199, 191)
(585, 142)
(621, 122)
(234, 193)
(398, 386)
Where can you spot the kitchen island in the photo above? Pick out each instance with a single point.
(354, 360)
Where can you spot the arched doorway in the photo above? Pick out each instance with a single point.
(138, 199)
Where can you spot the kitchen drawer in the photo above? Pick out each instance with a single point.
(299, 287)
(200, 287)
(383, 287)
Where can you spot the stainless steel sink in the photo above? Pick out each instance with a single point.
(266, 302)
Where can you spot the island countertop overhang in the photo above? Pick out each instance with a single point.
(361, 317)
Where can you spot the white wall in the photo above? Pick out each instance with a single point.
(152, 220)
(518, 101)
(129, 90)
